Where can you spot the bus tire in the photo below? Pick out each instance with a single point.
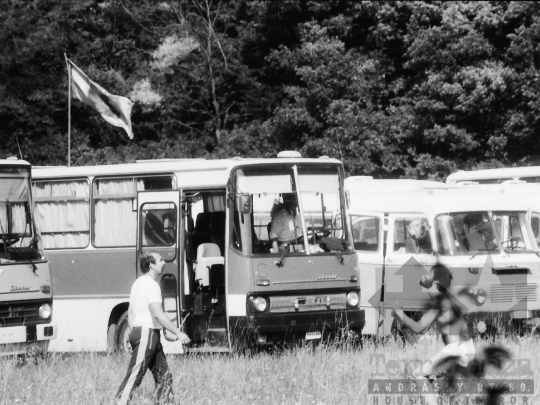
(122, 335)
(111, 338)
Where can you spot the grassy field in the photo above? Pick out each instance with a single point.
(326, 374)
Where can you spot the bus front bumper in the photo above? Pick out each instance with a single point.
(26, 339)
(300, 322)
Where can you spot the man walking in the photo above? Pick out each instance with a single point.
(146, 318)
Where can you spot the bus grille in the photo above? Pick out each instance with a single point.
(308, 303)
(16, 313)
(507, 293)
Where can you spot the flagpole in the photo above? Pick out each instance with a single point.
(69, 111)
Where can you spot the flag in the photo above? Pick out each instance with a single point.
(116, 110)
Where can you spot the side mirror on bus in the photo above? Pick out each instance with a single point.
(244, 203)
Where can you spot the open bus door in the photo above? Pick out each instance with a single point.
(160, 230)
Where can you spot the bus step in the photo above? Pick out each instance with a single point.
(216, 336)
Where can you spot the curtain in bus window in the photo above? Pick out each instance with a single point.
(63, 223)
(216, 202)
(115, 218)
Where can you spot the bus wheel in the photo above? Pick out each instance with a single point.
(122, 335)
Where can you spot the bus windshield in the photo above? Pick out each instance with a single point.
(14, 205)
(275, 206)
(477, 232)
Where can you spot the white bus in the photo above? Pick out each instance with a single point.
(209, 220)
(528, 174)
(482, 236)
(26, 294)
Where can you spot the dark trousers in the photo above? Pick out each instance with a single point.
(147, 354)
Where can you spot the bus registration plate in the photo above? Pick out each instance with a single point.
(14, 334)
(313, 335)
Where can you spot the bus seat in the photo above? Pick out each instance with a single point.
(208, 254)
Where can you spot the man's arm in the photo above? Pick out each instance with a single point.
(417, 327)
(157, 312)
(130, 318)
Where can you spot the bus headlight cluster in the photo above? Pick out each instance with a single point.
(45, 311)
(352, 299)
(260, 304)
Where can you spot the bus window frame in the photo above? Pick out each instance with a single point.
(380, 236)
(134, 202)
(343, 212)
(37, 200)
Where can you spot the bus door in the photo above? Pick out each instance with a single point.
(409, 255)
(367, 231)
(205, 222)
(159, 225)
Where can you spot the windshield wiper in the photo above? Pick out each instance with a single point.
(483, 251)
(524, 249)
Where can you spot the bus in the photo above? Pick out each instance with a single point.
(402, 228)
(26, 295)
(209, 220)
(528, 174)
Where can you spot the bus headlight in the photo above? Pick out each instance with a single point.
(45, 311)
(352, 299)
(260, 304)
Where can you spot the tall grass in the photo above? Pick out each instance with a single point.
(325, 374)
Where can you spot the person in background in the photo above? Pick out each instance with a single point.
(286, 224)
(478, 232)
(146, 319)
(446, 311)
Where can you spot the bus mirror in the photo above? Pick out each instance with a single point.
(244, 203)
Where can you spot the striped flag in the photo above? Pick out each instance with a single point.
(116, 110)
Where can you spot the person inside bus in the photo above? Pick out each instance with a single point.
(286, 225)
(418, 240)
(447, 312)
(478, 232)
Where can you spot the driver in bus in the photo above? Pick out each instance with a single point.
(478, 232)
(286, 225)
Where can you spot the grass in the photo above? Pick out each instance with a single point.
(326, 374)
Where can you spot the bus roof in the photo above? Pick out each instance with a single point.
(208, 172)
(13, 162)
(493, 174)
(366, 183)
(433, 201)
(528, 193)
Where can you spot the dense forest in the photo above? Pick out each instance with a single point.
(394, 89)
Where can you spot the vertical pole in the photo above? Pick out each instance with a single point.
(301, 207)
(69, 112)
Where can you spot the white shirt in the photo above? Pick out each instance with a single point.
(144, 292)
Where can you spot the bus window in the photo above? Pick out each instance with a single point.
(535, 224)
(411, 236)
(63, 212)
(466, 233)
(159, 224)
(268, 209)
(514, 233)
(114, 202)
(365, 231)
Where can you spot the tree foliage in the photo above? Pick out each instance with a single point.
(411, 89)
